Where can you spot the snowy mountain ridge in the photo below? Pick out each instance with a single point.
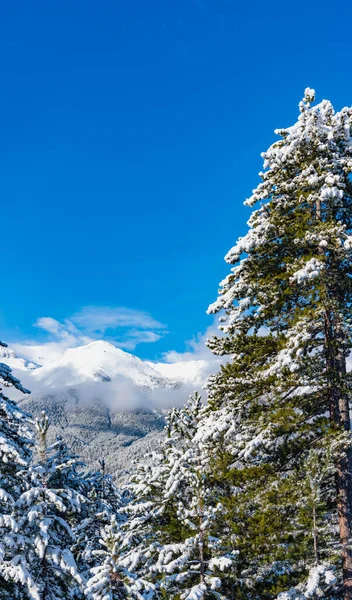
(99, 362)
(102, 400)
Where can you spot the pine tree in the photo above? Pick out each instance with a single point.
(175, 537)
(105, 582)
(69, 474)
(15, 437)
(103, 501)
(15, 452)
(287, 322)
(42, 560)
(109, 580)
(199, 496)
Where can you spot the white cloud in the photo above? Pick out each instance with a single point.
(191, 367)
(136, 337)
(124, 327)
(48, 324)
(99, 319)
(196, 363)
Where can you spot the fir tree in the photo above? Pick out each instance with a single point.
(15, 452)
(109, 580)
(42, 560)
(175, 537)
(287, 324)
(103, 501)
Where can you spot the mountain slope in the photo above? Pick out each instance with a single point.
(103, 401)
(101, 362)
(94, 431)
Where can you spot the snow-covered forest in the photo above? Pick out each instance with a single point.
(249, 496)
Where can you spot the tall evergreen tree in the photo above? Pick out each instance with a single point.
(15, 436)
(288, 318)
(109, 580)
(15, 452)
(42, 561)
(103, 502)
(175, 542)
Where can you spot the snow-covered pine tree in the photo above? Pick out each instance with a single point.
(109, 580)
(15, 450)
(103, 502)
(105, 582)
(42, 561)
(287, 302)
(110, 540)
(68, 472)
(176, 537)
(320, 584)
(318, 519)
(104, 491)
(68, 469)
(148, 516)
(318, 512)
(205, 556)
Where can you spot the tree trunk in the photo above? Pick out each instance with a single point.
(201, 541)
(340, 415)
(315, 535)
(345, 512)
(344, 470)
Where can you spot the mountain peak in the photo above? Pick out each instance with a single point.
(99, 344)
(96, 353)
(100, 361)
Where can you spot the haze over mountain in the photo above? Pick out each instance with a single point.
(102, 400)
(84, 367)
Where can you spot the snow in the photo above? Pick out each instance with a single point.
(99, 362)
(101, 398)
(102, 362)
(321, 572)
(310, 270)
(348, 242)
(197, 592)
(191, 371)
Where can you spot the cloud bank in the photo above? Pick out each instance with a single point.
(124, 327)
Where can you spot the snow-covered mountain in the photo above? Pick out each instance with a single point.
(102, 400)
(98, 362)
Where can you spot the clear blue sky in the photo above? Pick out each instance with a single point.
(131, 133)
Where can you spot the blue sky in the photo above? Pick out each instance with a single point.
(131, 134)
